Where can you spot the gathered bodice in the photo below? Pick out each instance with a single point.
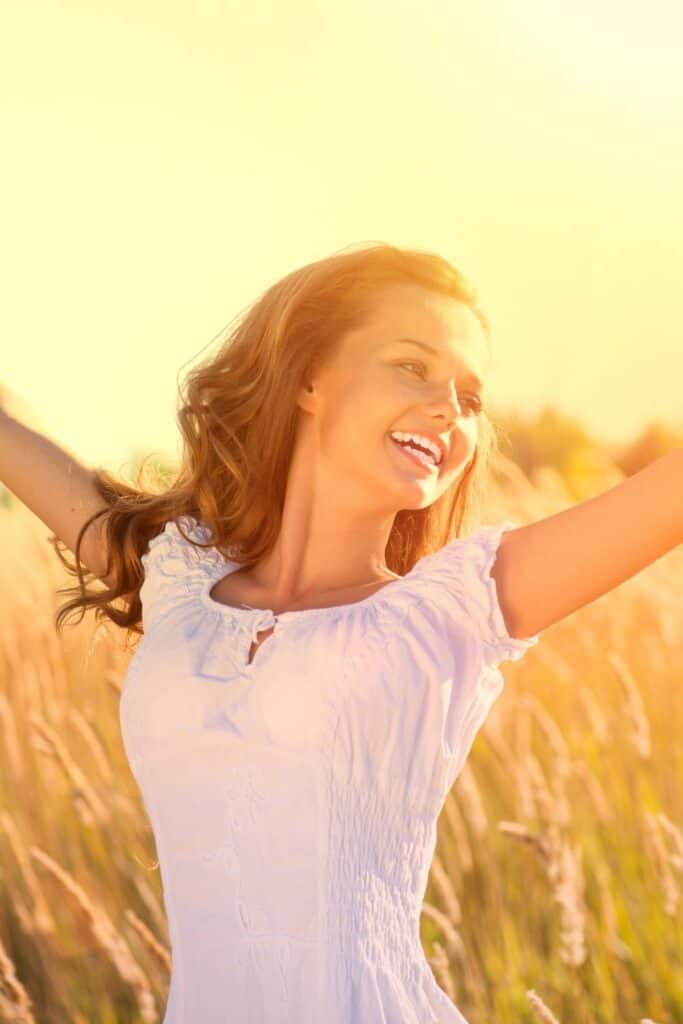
(294, 796)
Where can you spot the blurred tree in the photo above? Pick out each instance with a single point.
(586, 464)
(550, 438)
(553, 439)
(654, 440)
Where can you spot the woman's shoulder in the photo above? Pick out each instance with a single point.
(458, 577)
(178, 561)
(185, 538)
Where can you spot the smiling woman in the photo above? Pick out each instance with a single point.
(304, 387)
(319, 644)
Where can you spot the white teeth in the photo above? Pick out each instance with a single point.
(400, 435)
(427, 459)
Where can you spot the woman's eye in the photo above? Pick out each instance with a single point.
(415, 364)
(474, 400)
(476, 403)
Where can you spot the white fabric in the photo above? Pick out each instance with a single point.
(294, 800)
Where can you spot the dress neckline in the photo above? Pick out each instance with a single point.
(223, 608)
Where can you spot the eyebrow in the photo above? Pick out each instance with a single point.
(470, 377)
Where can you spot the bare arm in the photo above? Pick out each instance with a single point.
(55, 486)
(548, 569)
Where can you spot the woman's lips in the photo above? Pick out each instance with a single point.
(406, 452)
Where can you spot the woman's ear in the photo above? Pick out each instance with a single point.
(304, 397)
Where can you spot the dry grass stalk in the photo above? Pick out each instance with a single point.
(667, 880)
(21, 680)
(15, 1003)
(596, 719)
(562, 864)
(444, 887)
(106, 936)
(93, 742)
(23, 915)
(563, 813)
(539, 1008)
(11, 744)
(41, 920)
(551, 730)
(442, 969)
(159, 951)
(150, 900)
(451, 811)
(55, 679)
(545, 802)
(522, 728)
(526, 805)
(608, 911)
(562, 760)
(523, 773)
(595, 791)
(507, 757)
(609, 916)
(454, 944)
(633, 708)
(521, 832)
(670, 621)
(29, 696)
(569, 893)
(674, 833)
(88, 805)
(558, 666)
(469, 796)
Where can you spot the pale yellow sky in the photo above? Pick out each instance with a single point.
(163, 164)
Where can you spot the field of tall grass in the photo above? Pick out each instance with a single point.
(555, 891)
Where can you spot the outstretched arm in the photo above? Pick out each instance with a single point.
(550, 568)
(55, 486)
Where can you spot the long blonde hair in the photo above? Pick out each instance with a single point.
(238, 416)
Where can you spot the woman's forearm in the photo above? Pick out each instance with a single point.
(53, 484)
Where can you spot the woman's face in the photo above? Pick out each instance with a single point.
(378, 383)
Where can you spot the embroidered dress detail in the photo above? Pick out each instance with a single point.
(294, 789)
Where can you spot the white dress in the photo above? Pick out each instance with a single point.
(294, 800)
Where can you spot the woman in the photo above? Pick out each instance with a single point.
(321, 642)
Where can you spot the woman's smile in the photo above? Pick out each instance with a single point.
(426, 465)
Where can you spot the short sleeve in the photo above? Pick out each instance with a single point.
(460, 582)
(461, 571)
(175, 568)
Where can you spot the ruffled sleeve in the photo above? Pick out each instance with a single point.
(461, 573)
(175, 568)
(458, 579)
